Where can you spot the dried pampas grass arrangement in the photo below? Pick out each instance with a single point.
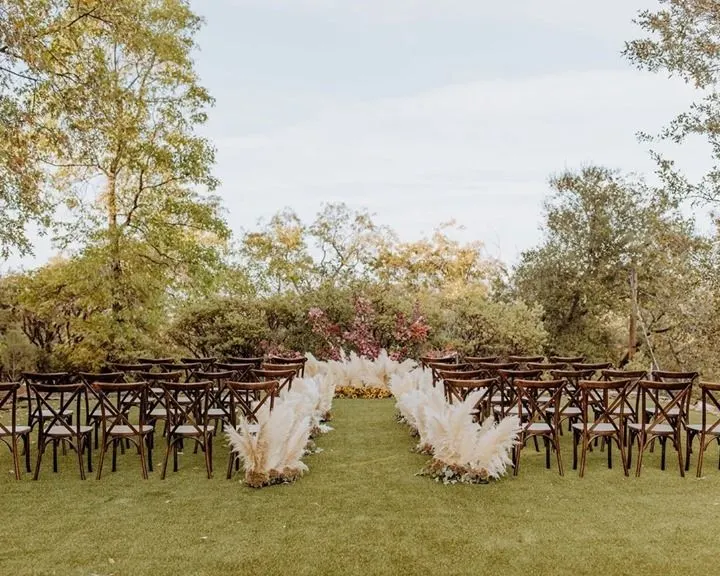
(462, 450)
(353, 371)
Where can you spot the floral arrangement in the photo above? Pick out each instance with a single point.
(462, 450)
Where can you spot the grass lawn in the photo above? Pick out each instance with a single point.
(360, 510)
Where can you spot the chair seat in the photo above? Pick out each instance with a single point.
(216, 412)
(599, 428)
(569, 411)
(657, 429)
(124, 430)
(62, 431)
(47, 416)
(540, 427)
(674, 411)
(187, 430)
(698, 428)
(18, 430)
(513, 411)
(158, 413)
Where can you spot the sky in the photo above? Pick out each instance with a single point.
(423, 111)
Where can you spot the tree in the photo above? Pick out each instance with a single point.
(600, 228)
(684, 40)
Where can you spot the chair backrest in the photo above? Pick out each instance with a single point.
(155, 361)
(131, 370)
(273, 359)
(8, 401)
(594, 366)
(425, 361)
(493, 368)
(283, 367)
(545, 366)
(64, 395)
(458, 390)
(90, 377)
(572, 394)
(205, 362)
(250, 397)
(525, 359)
(608, 401)
(710, 406)
(481, 359)
(567, 360)
(161, 376)
(284, 376)
(115, 412)
(241, 371)
(460, 374)
(191, 413)
(623, 374)
(673, 376)
(254, 360)
(46, 377)
(541, 399)
(665, 397)
(217, 377)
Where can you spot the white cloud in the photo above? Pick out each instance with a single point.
(478, 152)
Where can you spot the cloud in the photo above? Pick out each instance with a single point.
(480, 152)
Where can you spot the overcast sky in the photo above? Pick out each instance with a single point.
(423, 111)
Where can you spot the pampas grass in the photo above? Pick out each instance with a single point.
(462, 450)
(357, 372)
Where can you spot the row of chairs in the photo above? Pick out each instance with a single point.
(598, 402)
(192, 403)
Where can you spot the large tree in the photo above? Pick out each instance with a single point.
(683, 40)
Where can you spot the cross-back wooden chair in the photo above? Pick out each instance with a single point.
(665, 421)
(92, 409)
(596, 367)
(206, 362)
(187, 369)
(535, 397)
(48, 378)
(284, 376)
(12, 432)
(457, 390)
(709, 427)
(273, 359)
(524, 360)
(437, 368)
(567, 360)
(241, 372)
(256, 361)
(546, 367)
(671, 376)
(606, 400)
(570, 405)
(219, 410)
(157, 408)
(632, 397)
(246, 399)
(132, 371)
(446, 359)
(187, 420)
(156, 363)
(444, 375)
(508, 394)
(298, 368)
(53, 402)
(480, 359)
(117, 425)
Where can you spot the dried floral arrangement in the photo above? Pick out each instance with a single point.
(462, 450)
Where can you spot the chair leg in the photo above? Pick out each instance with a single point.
(575, 449)
(663, 445)
(80, 457)
(103, 449)
(114, 455)
(175, 456)
(143, 464)
(150, 444)
(688, 448)
(15, 456)
(26, 448)
(641, 451)
(583, 456)
(546, 441)
(55, 460)
(167, 457)
(231, 460)
(678, 449)
(621, 447)
(41, 449)
(88, 445)
(609, 453)
(208, 465)
(556, 441)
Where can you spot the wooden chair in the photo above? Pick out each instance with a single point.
(546, 367)
(12, 432)
(48, 378)
(113, 399)
(664, 421)
(185, 368)
(458, 391)
(606, 399)
(187, 420)
(246, 399)
(155, 362)
(132, 371)
(284, 376)
(284, 360)
(632, 397)
(206, 362)
(53, 403)
(157, 408)
(445, 375)
(480, 359)
(92, 413)
(437, 368)
(567, 360)
(508, 394)
(594, 366)
(256, 361)
(218, 397)
(534, 397)
(447, 359)
(241, 372)
(709, 427)
(523, 361)
(570, 405)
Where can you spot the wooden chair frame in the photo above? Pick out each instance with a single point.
(708, 431)
(459, 389)
(10, 434)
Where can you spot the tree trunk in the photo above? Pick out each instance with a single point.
(114, 253)
(632, 331)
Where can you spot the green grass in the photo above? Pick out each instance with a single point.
(361, 510)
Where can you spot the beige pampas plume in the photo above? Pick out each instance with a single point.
(271, 450)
